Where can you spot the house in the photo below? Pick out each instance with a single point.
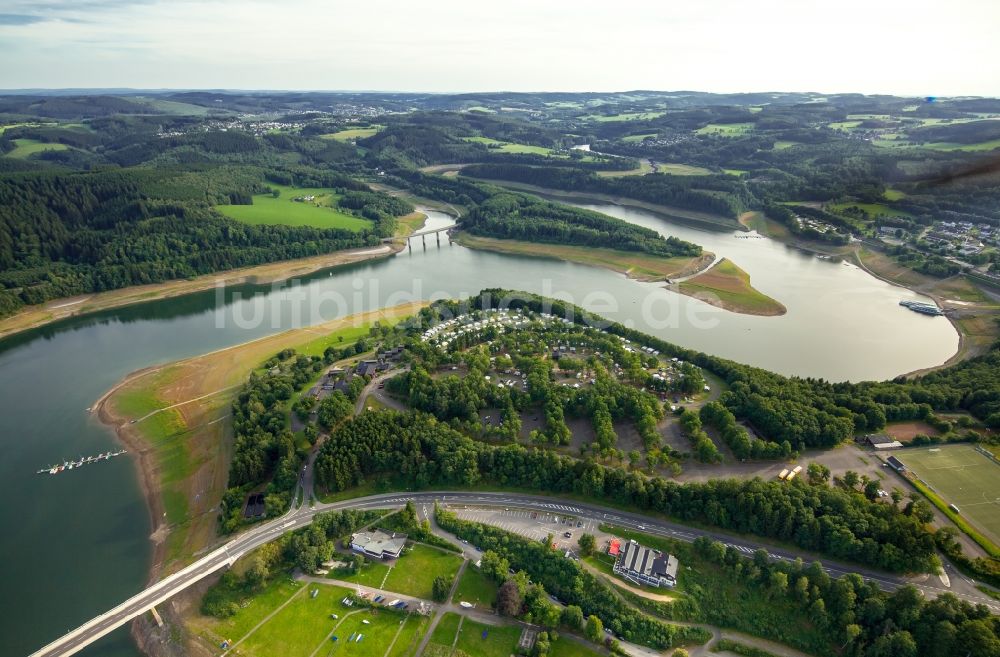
(367, 368)
(344, 384)
(378, 544)
(895, 464)
(614, 547)
(390, 355)
(646, 566)
(882, 441)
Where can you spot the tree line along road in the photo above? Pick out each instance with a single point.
(300, 516)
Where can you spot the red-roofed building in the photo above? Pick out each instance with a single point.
(614, 547)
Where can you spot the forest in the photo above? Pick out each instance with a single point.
(799, 604)
(569, 582)
(63, 234)
(713, 194)
(127, 199)
(521, 217)
(417, 449)
(806, 412)
(264, 449)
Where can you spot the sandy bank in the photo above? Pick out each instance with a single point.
(36, 316)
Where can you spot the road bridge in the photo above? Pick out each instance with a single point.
(422, 234)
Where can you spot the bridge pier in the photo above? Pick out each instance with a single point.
(423, 238)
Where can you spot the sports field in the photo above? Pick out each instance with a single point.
(963, 477)
(300, 625)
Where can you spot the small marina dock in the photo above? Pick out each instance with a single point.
(79, 463)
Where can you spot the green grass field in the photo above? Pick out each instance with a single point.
(175, 107)
(509, 147)
(26, 147)
(682, 169)
(725, 129)
(234, 628)
(416, 570)
(384, 628)
(351, 134)
(497, 642)
(843, 125)
(446, 628)
(412, 574)
(476, 588)
(643, 168)
(632, 139)
(626, 116)
(727, 286)
(873, 209)
(284, 211)
(300, 626)
(943, 146)
(305, 627)
(500, 641)
(782, 144)
(961, 476)
(165, 431)
(372, 573)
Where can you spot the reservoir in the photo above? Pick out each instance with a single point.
(76, 544)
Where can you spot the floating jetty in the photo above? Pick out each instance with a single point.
(69, 465)
(921, 307)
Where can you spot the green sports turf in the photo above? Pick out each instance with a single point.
(963, 477)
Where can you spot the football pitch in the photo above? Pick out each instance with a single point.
(963, 477)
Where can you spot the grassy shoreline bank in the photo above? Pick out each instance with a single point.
(639, 266)
(726, 286)
(172, 419)
(37, 316)
(718, 221)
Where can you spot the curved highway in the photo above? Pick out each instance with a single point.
(226, 555)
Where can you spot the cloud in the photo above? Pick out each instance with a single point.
(19, 19)
(911, 47)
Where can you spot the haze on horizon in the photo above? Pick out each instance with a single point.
(902, 47)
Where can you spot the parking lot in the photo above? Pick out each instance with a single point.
(536, 525)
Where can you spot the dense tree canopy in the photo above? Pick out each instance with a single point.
(516, 216)
(64, 234)
(423, 452)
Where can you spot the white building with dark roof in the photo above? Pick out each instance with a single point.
(882, 441)
(378, 544)
(645, 565)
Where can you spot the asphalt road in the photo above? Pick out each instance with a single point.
(301, 516)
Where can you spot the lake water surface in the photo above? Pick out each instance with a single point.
(76, 544)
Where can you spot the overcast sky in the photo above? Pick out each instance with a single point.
(906, 47)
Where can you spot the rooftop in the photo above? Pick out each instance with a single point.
(379, 542)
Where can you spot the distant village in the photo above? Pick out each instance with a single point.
(964, 238)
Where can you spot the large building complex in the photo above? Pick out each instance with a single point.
(644, 565)
(378, 544)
